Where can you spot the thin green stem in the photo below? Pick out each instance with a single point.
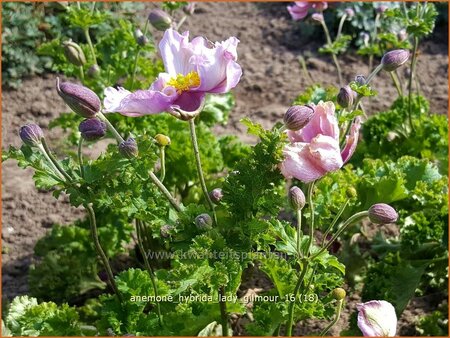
(55, 161)
(162, 157)
(374, 73)
(111, 128)
(308, 77)
(411, 75)
(335, 60)
(290, 321)
(133, 76)
(165, 192)
(396, 83)
(336, 218)
(199, 168)
(94, 233)
(299, 232)
(341, 24)
(335, 320)
(183, 19)
(80, 156)
(311, 226)
(80, 68)
(354, 218)
(50, 162)
(223, 311)
(149, 268)
(91, 46)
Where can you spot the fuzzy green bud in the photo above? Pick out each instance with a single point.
(31, 135)
(80, 99)
(203, 222)
(296, 198)
(382, 213)
(351, 192)
(159, 19)
(394, 59)
(162, 140)
(74, 53)
(338, 293)
(129, 148)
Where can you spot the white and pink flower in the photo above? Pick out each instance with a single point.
(299, 10)
(193, 69)
(314, 150)
(377, 318)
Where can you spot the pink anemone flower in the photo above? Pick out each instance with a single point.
(193, 69)
(314, 150)
(299, 10)
(377, 318)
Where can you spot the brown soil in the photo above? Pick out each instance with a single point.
(268, 51)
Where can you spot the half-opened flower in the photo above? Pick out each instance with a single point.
(314, 150)
(193, 69)
(377, 318)
(299, 10)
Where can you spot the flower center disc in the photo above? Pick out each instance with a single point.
(184, 82)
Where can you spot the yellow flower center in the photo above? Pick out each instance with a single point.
(184, 82)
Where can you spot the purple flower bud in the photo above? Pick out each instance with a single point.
(381, 213)
(402, 35)
(297, 117)
(165, 230)
(381, 9)
(162, 140)
(377, 318)
(360, 79)
(350, 12)
(80, 99)
(140, 38)
(31, 134)
(92, 129)
(159, 19)
(338, 293)
(74, 53)
(296, 198)
(216, 195)
(317, 17)
(189, 8)
(203, 222)
(93, 71)
(394, 59)
(345, 97)
(129, 148)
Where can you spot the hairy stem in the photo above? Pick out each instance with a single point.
(410, 82)
(335, 320)
(299, 231)
(311, 226)
(91, 46)
(308, 77)
(341, 24)
(333, 55)
(98, 247)
(111, 128)
(223, 311)
(162, 157)
(148, 267)
(165, 192)
(80, 156)
(290, 321)
(336, 218)
(54, 161)
(199, 168)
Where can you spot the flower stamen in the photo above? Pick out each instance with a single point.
(185, 82)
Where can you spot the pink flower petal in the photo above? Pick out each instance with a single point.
(351, 140)
(377, 318)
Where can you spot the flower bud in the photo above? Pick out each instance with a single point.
(129, 148)
(377, 318)
(394, 59)
(338, 293)
(203, 222)
(365, 38)
(360, 79)
(140, 38)
(31, 134)
(297, 117)
(345, 97)
(351, 192)
(402, 35)
(350, 12)
(381, 9)
(216, 195)
(165, 230)
(296, 198)
(162, 140)
(159, 19)
(92, 129)
(80, 99)
(317, 17)
(74, 53)
(381, 213)
(189, 9)
(93, 71)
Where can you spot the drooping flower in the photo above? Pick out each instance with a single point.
(299, 10)
(377, 318)
(314, 150)
(193, 69)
